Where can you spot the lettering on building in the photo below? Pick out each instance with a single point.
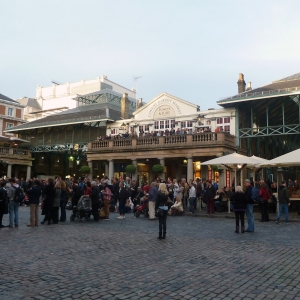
(161, 108)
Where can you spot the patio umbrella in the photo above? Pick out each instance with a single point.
(286, 160)
(236, 162)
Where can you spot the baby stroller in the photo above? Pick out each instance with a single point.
(82, 210)
(141, 210)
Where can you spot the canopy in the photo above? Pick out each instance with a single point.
(286, 160)
(235, 159)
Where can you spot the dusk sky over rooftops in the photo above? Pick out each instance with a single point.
(190, 49)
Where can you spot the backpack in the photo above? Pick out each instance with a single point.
(18, 196)
(255, 194)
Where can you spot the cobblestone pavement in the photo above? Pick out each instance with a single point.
(202, 258)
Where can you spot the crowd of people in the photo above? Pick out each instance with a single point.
(163, 197)
(142, 133)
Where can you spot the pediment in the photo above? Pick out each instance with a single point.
(165, 106)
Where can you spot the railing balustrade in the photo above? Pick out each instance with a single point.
(205, 137)
(4, 150)
(164, 141)
(100, 144)
(20, 151)
(175, 139)
(16, 151)
(122, 143)
(153, 140)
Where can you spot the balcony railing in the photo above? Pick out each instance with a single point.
(14, 151)
(145, 143)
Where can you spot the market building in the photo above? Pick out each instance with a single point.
(268, 119)
(145, 139)
(61, 143)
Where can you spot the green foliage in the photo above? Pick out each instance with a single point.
(85, 169)
(158, 168)
(130, 169)
(215, 168)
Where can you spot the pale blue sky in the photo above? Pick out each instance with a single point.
(191, 49)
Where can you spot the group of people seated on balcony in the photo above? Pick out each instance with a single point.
(145, 134)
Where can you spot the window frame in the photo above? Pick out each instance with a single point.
(10, 109)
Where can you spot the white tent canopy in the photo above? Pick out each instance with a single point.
(286, 160)
(235, 159)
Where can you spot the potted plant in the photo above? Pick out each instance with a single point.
(158, 168)
(85, 170)
(130, 169)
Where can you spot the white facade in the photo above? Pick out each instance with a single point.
(60, 97)
(168, 112)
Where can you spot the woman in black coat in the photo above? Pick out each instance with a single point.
(239, 202)
(162, 205)
(49, 194)
(123, 196)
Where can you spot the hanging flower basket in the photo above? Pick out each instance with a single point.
(130, 169)
(158, 168)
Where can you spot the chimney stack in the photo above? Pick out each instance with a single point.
(241, 83)
(249, 87)
(125, 106)
(140, 103)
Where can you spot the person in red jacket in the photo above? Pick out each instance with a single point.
(264, 196)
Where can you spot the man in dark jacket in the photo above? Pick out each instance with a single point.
(94, 195)
(250, 204)
(34, 195)
(209, 196)
(284, 202)
(77, 193)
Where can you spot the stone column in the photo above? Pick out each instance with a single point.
(163, 174)
(90, 164)
(134, 175)
(16, 171)
(190, 169)
(9, 166)
(106, 168)
(110, 168)
(28, 174)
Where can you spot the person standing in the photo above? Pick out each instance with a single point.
(240, 206)
(264, 195)
(13, 204)
(3, 202)
(192, 198)
(77, 192)
(34, 194)
(49, 193)
(94, 195)
(250, 204)
(161, 204)
(210, 196)
(63, 200)
(123, 196)
(56, 202)
(152, 200)
(106, 193)
(284, 202)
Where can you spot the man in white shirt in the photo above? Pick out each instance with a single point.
(192, 198)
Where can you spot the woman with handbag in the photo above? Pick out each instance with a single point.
(161, 208)
(264, 196)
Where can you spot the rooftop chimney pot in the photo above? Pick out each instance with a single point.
(241, 83)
